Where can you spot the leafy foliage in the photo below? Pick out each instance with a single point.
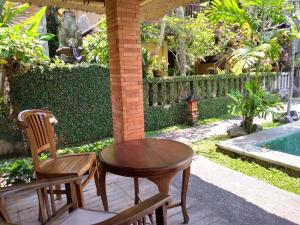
(260, 21)
(149, 32)
(17, 171)
(254, 103)
(198, 36)
(250, 55)
(21, 43)
(96, 45)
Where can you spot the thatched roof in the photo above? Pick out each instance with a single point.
(150, 9)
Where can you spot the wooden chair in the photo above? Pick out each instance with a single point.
(39, 127)
(50, 213)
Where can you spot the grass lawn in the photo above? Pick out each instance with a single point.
(274, 176)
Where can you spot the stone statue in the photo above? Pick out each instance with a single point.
(70, 39)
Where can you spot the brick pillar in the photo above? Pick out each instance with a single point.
(125, 63)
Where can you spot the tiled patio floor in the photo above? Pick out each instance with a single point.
(217, 195)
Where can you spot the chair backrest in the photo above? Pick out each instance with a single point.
(39, 128)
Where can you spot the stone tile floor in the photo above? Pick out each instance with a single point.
(217, 196)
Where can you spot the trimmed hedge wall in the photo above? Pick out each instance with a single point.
(79, 97)
(158, 117)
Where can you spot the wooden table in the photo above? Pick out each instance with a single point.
(158, 160)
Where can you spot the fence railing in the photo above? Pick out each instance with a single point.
(171, 90)
(283, 83)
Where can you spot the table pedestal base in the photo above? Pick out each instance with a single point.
(162, 182)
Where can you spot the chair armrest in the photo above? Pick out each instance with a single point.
(138, 211)
(37, 184)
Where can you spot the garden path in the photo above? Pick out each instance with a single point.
(200, 132)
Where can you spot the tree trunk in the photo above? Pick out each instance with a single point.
(248, 124)
(52, 27)
(181, 45)
(291, 83)
(2, 79)
(161, 38)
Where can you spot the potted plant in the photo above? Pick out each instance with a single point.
(159, 67)
(275, 67)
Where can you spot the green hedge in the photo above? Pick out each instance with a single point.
(162, 116)
(79, 97)
(213, 107)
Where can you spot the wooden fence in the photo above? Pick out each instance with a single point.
(171, 90)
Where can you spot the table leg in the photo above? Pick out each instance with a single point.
(136, 190)
(163, 182)
(102, 187)
(3, 212)
(185, 184)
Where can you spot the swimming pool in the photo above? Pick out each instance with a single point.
(279, 145)
(288, 143)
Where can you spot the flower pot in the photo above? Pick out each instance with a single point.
(158, 73)
(275, 69)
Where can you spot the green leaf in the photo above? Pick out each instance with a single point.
(47, 37)
(34, 21)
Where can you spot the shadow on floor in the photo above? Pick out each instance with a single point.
(213, 205)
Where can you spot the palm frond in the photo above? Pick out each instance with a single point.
(248, 56)
(11, 10)
(228, 11)
(34, 21)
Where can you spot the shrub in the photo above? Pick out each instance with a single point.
(16, 171)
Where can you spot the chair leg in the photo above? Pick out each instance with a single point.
(58, 188)
(79, 193)
(161, 215)
(96, 178)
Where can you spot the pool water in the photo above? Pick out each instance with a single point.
(289, 143)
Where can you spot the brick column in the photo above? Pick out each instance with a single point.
(125, 63)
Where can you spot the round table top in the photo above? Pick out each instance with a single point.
(146, 157)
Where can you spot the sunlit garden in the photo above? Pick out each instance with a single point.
(143, 91)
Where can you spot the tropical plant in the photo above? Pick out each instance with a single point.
(17, 171)
(96, 45)
(260, 21)
(159, 64)
(21, 42)
(20, 47)
(254, 103)
(1, 7)
(195, 33)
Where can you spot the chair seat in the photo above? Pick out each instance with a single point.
(86, 217)
(67, 165)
